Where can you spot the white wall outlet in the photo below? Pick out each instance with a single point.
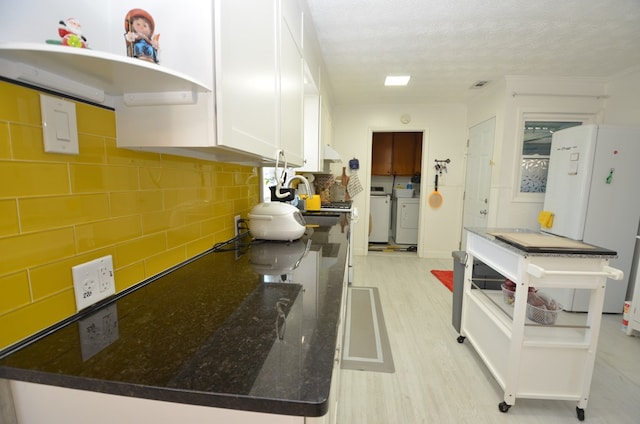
(236, 219)
(93, 281)
(97, 331)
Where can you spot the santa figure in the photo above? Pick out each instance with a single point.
(71, 33)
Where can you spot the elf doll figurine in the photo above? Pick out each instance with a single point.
(141, 42)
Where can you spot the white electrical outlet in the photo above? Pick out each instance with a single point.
(93, 281)
(97, 331)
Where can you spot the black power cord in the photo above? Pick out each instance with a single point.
(243, 231)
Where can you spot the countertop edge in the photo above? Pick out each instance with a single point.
(290, 407)
(207, 399)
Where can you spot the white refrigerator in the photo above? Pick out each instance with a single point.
(593, 188)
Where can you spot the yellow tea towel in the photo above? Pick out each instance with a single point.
(545, 218)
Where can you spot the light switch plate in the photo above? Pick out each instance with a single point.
(93, 281)
(59, 125)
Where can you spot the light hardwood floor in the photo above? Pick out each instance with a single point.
(438, 380)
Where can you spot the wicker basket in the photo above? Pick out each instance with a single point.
(546, 314)
(508, 295)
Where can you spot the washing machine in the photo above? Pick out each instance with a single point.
(406, 217)
(380, 217)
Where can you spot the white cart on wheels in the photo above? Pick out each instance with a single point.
(528, 359)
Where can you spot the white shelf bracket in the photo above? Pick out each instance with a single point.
(161, 98)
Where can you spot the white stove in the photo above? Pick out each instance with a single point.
(344, 206)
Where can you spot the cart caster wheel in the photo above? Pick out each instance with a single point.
(504, 407)
(461, 339)
(580, 413)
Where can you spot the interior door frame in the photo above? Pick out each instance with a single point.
(423, 194)
(487, 182)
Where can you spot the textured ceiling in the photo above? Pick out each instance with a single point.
(448, 45)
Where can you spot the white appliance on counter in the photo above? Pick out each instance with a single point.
(592, 192)
(380, 216)
(405, 221)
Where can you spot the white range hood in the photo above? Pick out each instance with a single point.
(330, 155)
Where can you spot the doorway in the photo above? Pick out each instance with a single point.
(478, 176)
(396, 167)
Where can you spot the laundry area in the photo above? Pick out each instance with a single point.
(394, 219)
(396, 163)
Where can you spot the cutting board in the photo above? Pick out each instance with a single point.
(540, 240)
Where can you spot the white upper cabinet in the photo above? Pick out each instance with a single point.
(311, 122)
(246, 69)
(228, 85)
(291, 82)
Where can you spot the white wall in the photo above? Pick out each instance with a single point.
(515, 96)
(445, 127)
(623, 108)
(623, 104)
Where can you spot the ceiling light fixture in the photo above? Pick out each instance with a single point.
(397, 80)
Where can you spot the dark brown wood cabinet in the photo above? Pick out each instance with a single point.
(396, 153)
(417, 163)
(382, 153)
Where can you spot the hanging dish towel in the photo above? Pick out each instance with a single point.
(545, 218)
(353, 186)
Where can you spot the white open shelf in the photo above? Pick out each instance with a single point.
(94, 74)
(568, 331)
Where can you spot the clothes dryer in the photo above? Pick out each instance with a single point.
(407, 215)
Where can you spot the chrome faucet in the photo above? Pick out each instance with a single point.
(304, 181)
(280, 195)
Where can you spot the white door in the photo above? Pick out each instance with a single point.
(478, 175)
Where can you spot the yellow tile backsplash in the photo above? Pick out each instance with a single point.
(19, 105)
(21, 179)
(15, 291)
(92, 178)
(5, 147)
(108, 232)
(41, 213)
(150, 211)
(8, 218)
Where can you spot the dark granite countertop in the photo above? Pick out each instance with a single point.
(252, 329)
(494, 234)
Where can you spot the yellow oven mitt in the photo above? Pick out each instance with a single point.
(545, 218)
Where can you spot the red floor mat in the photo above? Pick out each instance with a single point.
(445, 277)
